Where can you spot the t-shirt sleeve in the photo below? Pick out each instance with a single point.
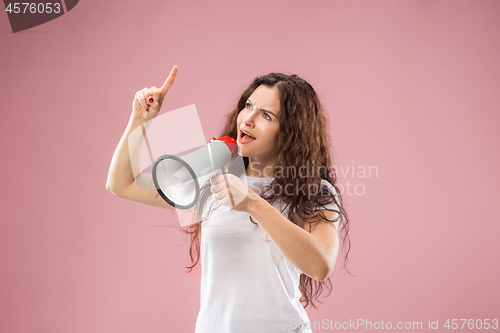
(332, 205)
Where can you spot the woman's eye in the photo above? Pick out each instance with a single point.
(248, 105)
(268, 116)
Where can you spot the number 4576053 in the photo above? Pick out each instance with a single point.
(33, 8)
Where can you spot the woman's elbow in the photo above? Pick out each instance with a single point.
(323, 276)
(326, 270)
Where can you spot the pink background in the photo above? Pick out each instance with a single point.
(410, 87)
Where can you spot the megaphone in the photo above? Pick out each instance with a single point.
(178, 178)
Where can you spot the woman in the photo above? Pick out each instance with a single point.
(278, 244)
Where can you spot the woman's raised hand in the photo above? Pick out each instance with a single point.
(148, 101)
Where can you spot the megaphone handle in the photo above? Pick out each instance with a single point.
(224, 171)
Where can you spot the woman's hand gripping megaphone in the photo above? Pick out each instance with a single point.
(148, 101)
(231, 191)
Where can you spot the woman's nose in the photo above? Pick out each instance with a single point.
(249, 119)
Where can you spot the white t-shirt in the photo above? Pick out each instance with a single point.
(247, 286)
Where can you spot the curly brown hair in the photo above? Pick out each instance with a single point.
(303, 140)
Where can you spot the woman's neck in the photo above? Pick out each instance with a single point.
(260, 169)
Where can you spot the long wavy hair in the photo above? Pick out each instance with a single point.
(303, 141)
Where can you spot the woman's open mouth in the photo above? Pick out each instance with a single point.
(245, 137)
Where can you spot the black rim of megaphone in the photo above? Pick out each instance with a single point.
(170, 202)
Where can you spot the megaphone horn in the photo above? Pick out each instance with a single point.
(178, 179)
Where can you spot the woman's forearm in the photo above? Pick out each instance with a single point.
(302, 249)
(124, 166)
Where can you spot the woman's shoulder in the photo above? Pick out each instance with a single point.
(329, 186)
(333, 190)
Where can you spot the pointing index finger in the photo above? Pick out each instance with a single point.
(168, 82)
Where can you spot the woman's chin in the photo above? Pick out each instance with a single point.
(243, 152)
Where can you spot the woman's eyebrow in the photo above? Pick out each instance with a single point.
(269, 112)
(263, 110)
